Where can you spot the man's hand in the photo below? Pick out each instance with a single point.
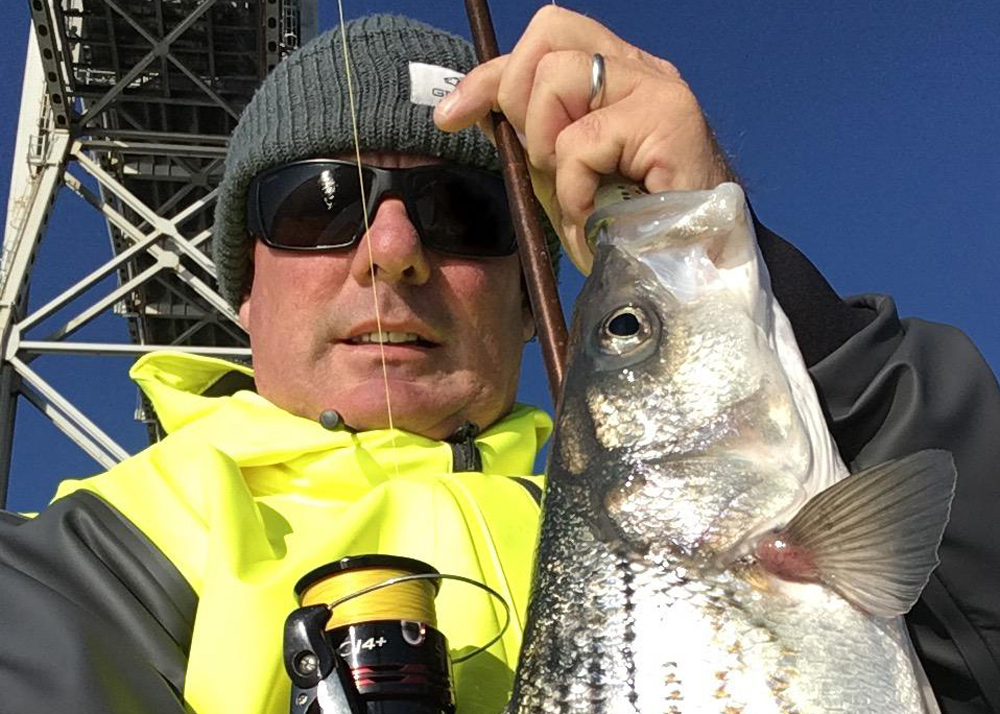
(649, 127)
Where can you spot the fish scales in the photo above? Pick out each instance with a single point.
(682, 636)
(687, 436)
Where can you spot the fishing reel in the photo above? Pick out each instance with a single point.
(365, 640)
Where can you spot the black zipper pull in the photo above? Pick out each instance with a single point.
(465, 454)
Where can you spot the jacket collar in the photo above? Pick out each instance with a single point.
(255, 432)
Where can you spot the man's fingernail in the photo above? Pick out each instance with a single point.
(568, 232)
(447, 105)
(576, 247)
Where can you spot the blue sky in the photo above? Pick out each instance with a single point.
(866, 133)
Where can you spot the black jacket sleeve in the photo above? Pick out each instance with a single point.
(93, 618)
(891, 387)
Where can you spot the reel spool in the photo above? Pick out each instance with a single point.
(365, 640)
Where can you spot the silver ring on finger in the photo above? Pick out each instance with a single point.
(596, 82)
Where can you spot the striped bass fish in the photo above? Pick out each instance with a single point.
(702, 550)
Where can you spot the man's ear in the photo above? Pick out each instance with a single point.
(245, 306)
(244, 312)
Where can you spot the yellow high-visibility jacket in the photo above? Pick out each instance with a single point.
(244, 498)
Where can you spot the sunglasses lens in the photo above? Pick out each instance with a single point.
(462, 212)
(317, 205)
(311, 208)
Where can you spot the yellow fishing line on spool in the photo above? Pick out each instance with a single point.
(409, 600)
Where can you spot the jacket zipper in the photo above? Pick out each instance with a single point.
(465, 454)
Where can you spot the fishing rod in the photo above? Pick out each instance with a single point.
(536, 265)
(543, 292)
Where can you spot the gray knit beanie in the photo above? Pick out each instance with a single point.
(302, 111)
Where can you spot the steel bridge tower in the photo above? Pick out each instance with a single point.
(128, 104)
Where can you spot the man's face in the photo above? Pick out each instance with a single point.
(309, 316)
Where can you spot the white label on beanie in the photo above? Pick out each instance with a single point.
(429, 83)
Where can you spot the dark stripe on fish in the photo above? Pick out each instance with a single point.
(629, 637)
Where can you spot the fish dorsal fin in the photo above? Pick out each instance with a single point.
(873, 537)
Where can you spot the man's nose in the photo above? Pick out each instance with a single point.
(397, 255)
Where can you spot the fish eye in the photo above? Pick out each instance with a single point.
(624, 324)
(624, 329)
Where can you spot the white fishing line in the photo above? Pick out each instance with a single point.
(367, 237)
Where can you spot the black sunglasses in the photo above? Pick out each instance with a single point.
(316, 205)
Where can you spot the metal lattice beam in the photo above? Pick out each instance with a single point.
(160, 48)
(129, 104)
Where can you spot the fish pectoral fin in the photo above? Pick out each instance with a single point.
(873, 537)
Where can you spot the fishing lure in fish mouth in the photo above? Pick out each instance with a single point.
(702, 546)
